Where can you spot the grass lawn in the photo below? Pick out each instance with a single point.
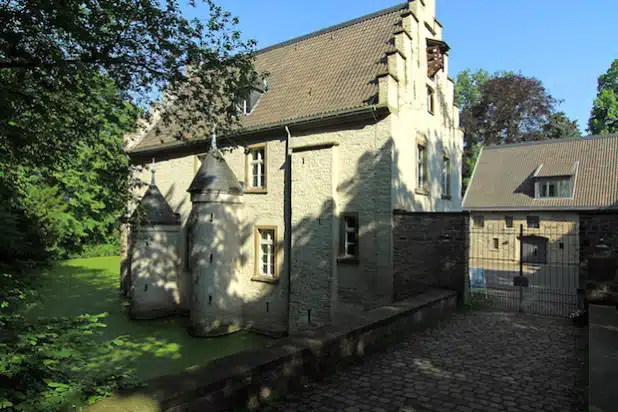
(155, 348)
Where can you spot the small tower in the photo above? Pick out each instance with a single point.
(154, 256)
(217, 199)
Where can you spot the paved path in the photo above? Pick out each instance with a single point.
(603, 358)
(479, 361)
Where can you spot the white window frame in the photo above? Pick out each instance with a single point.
(350, 235)
(544, 185)
(431, 103)
(256, 167)
(266, 238)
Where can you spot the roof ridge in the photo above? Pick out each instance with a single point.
(552, 141)
(348, 23)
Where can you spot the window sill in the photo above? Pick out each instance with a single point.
(265, 279)
(422, 192)
(348, 260)
(256, 191)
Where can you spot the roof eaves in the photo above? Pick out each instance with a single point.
(262, 128)
(536, 208)
(552, 141)
(335, 27)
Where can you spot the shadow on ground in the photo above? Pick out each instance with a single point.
(154, 347)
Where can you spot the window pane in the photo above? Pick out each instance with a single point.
(351, 249)
(543, 189)
(552, 189)
(350, 222)
(564, 188)
(508, 221)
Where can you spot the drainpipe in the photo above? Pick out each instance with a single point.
(288, 214)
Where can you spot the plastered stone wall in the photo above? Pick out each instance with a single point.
(215, 255)
(359, 182)
(560, 228)
(430, 251)
(173, 178)
(412, 123)
(313, 222)
(154, 269)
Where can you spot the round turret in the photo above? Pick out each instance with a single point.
(216, 195)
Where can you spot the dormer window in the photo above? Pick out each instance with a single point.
(554, 181)
(436, 50)
(249, 99)
(553, 188)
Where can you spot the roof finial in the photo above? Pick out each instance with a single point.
(153, 171)
(213, 138)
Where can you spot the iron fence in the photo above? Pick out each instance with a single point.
(526, 269)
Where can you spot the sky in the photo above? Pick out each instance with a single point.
(566, 44)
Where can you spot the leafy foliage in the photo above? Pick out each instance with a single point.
(604, 115)
(57, 208)
(52, 55)
(506, 107)
(49, 365)
(468, 87)
(560, 126)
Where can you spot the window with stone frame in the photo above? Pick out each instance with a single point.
(508, 222)
(421, 167)
(266, 252)
(445, 180)
(478, 221)
(256, 168)
(431, 100)
(349, 236)
(533, 222)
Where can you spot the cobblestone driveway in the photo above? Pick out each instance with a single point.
(478, 361)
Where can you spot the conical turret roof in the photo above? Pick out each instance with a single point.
(215, 175)
(153, 209)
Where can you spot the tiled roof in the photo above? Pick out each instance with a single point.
(215, 175)
(153, 209)
(504, 175)
(326, 72)
(557, 167)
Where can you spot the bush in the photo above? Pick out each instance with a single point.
(52, 364)
(89, 251)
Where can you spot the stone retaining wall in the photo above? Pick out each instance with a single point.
(249, 378)
(431, 250)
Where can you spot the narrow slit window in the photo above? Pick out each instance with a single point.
(446, 176)
(421, 167)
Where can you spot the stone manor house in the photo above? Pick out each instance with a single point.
(294, 227)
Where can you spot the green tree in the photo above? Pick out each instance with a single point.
(604, 115)
(506, 107)
(52, 51)
(560, 126)
(468, 87)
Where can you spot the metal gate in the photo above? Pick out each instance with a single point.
(527, 270)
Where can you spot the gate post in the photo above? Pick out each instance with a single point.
(521, 266)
